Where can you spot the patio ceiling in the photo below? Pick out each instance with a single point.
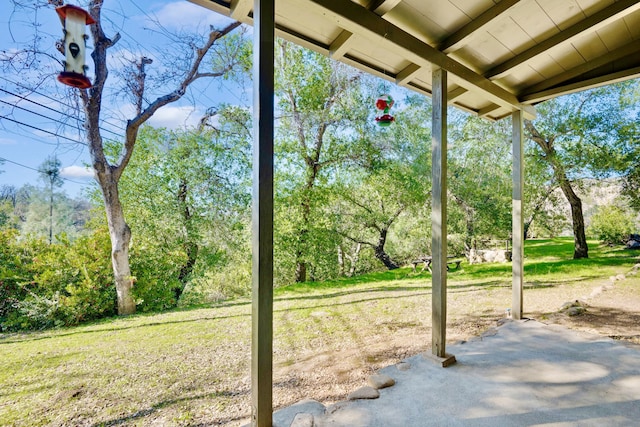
(501, 56)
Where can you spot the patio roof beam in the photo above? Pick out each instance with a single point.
(592, 23)
(407, 74)
(342, 43)
(240, 9)
(455, 93)
(359, 20)
(629, 49)
(460, 37)
(381, 7)
(619, 76)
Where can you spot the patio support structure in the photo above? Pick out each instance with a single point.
(517, 232)
(439, 218)
(262, 215)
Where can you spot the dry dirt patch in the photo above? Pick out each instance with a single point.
(612, 309)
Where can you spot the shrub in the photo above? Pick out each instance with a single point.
(611, 225)
(231, 281)
(55, 285)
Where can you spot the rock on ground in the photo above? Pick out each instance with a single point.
(365, 392)
(379, 381)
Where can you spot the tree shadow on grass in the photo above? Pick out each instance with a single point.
(143, 413)
(28, 337)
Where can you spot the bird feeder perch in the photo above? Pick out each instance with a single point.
(384, 104)
(74, 20)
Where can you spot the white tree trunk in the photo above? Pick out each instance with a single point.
(120, 237)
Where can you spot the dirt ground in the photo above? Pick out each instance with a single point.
(613, 312)
(611, 309)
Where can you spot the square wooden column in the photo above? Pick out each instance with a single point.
(262, 215)
(517, 219)
(439, 216)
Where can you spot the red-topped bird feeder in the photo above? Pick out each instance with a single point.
(384, 104)
(74, 20)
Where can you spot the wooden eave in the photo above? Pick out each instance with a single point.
(501, 56)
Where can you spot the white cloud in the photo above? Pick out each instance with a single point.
(123, 58)
(181, 14)
(7, 141)
(82, 172)
(173, 117)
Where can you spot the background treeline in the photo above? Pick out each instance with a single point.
(351, 197)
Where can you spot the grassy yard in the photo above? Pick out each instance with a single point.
(191, 367)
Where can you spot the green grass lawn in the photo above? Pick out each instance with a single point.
(191, 367)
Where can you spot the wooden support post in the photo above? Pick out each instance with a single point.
(262, 215)
(439, 213)
(517, 220)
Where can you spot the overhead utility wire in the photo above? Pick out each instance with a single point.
(43, 130)
(49, 108)
(36, 113)
(34, 169)
(55, 100)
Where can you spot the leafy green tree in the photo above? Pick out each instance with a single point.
(611, 225)
(7, 206)
(541, 198)
(323, 109)
(371, 206)
(186, 196)
(480, 177)
(629, 143)
(212, 55)
(59, 213)
(14, 205)
(59, 284)
(583, 136)
(370, 200)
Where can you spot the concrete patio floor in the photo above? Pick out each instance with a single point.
(523, 373)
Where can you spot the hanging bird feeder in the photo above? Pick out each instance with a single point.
(384, 104)
(74, 20)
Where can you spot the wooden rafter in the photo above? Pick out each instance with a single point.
(455, 93)
(341, 45)
(357, 19)
(382, 7)
(240, 9)
(619, 76)
(590, 24)
(460, 37)
(629, 49)
(483, 112)
(407, 74)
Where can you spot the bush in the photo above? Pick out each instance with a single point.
(53, 285)
(611, 225)
(231, 281)
(12, 274)
(156, 275)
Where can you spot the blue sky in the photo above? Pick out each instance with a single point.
(34, 110)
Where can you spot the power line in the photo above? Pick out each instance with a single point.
(57, 145)
(34, 169)
(43, 130)
(73, 107)
(76, 108)
(49, 108)
(34, 112)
